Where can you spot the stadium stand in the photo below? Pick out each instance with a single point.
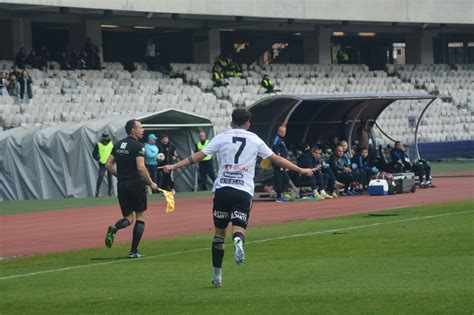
(79, 95)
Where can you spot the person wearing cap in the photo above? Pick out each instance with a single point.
(151, 153)
(101, 153)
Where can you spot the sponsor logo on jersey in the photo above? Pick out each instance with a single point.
(123, 145)
(233, 175)
(236, 168)
(231, 181)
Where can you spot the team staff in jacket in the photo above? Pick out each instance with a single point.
(205, 165)
(151, 153)
(101, 153)
(281, 178)
(171, 157)
(421, 167)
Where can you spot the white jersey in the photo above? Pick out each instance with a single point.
(238, 150)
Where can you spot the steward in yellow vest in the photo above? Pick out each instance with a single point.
(205, 165)
(101, 153)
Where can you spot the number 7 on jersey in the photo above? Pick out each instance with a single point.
(241, 148)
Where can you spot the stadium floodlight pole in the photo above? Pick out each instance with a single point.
(418, 125)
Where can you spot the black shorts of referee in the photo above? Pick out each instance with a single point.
(132, 196)
(231, 205)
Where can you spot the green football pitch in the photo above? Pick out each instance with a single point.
(408, 261)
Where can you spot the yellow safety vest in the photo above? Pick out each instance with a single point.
(267, 83)
(104, 151)
(201, 146)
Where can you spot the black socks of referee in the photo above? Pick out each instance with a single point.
(137, 235)
(121, 224)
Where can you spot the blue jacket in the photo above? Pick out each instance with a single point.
(279, 147)
(362, 163)
(151, 151)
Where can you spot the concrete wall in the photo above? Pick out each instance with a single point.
(408, 11)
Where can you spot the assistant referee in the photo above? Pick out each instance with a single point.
(129, 156)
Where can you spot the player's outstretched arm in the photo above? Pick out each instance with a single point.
(194, 158)
(287, 164)
(140, 160)
(109, 165)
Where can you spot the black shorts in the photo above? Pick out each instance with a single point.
(132, 196)
(233, 205)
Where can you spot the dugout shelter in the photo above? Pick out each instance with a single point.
(325, 115)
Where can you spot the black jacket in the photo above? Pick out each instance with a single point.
(307, 160)
(338, 163)
(169, 151)
(25, 85)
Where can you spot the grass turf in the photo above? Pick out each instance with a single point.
(452, 167)
(415, 266)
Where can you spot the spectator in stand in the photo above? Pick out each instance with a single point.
(64, 62)
(20, 58)
(15, 71)
(267, 84)
(75, 59)
(343, 170)
(13, 86)
(399, 156)
(151, 154)
(364, 169)
(33, 60)
(218, 77)
(26, 92)
(92, 54)
(171, 157)
(151, 55)
(43, 57)
(4, 83)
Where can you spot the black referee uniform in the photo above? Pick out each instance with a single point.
(131, 187)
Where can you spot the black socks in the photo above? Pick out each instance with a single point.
(137, 235)
(121, 224)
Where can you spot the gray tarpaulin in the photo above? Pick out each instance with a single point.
(56, 162)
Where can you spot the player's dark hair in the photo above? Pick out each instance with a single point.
(397, 142)
(363, 149)
(240, 116)
(130, 125)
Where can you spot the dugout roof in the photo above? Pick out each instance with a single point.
(173, 118)
(322, 115)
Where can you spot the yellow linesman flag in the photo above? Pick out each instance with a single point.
(169, 197)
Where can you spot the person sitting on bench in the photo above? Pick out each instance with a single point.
(420, 167)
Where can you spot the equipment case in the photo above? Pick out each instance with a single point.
(405, 182)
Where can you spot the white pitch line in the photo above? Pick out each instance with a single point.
(251, 242)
